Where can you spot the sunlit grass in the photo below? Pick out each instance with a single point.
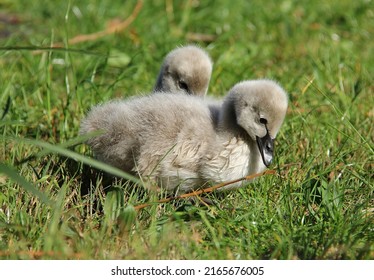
(57, 202)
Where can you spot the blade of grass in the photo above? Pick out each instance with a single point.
(57, 149)
(6, 108)
(54, 49)
(52, 229)
(68, 144)
(15, 176)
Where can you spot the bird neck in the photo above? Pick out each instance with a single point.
(256, 165)
(228, 128)
(227, 122)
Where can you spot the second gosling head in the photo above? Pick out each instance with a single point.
(185, 70)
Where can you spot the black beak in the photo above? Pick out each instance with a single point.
(266, 147)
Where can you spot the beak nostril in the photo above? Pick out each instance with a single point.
(268, 146)
(263, 121)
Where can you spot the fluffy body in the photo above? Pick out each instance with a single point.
(185, 70)
(184, 142)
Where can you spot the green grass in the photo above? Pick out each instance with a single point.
(319, 206)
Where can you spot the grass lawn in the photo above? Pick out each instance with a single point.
(318, 205)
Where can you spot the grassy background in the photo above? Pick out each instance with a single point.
(319, 206)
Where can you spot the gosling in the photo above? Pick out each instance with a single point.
(185, 70)
(176, 143)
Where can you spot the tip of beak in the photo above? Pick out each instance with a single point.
(266, 147)
(267, 160)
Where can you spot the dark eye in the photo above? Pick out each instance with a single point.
(182, 85)
(263, 121)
